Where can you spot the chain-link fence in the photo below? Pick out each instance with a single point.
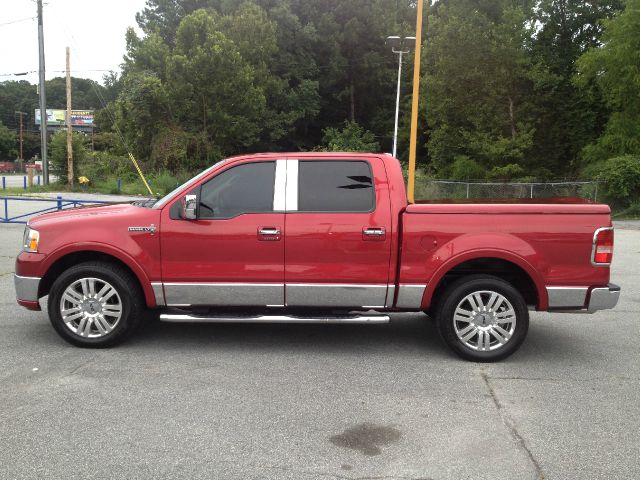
(428, 189)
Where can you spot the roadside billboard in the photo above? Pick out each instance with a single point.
(58, 117)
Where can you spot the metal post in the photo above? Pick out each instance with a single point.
(24, 182)
(6, 209)
(4, 183)
(59, 199)
(532, 190)
(595, 195)
(43, 99)
(413, 136)
(118, 184)
(38, 180)
(395, 128)
(69, 126)
(467, 190)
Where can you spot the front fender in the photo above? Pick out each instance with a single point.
(106, 249)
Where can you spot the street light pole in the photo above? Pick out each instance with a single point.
(397, 45)
(43, 99)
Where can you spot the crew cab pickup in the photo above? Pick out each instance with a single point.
(316, 237)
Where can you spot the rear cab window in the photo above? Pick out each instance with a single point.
(335, 186)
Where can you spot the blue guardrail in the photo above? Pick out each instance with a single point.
(60, 204)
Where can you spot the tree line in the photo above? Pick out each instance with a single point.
(509, 88)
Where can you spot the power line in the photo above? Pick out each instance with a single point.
(17, 21)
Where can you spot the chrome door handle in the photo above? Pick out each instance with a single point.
(374, 234)
(269, 231)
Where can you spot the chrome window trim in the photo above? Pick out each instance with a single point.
(410, 295)
(279, 186)
(567, 297)
(26, 288)
(291, 195)
(593, 247)
(158, 293)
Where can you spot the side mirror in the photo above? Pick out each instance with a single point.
(190, 207)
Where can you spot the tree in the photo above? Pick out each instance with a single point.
(615, 68)
(8, 143)
(351, 138)
(478, 84)
(568, 116)
(58, 154)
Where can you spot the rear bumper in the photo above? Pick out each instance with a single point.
(604, 298)
(571, 299)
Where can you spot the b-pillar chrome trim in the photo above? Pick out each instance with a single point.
(26, 288)
(567, 297)
(410, 296)
(158, 293)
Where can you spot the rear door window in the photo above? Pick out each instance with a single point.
(335, 186)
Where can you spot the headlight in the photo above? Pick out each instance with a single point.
(30, 240)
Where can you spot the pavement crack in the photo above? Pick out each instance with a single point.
(511, 426)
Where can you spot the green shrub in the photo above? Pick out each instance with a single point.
(508, 172)
(465, 168)
(620, 177)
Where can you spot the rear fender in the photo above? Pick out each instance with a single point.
(471, 246)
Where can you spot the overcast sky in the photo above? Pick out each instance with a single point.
(94, 29)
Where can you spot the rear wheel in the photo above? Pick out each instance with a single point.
(483, 318)
(95, 304)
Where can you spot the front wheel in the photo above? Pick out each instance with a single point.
(95, 304)
(483, 318)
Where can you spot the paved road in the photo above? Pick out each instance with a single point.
(17, 180)
(303, 402)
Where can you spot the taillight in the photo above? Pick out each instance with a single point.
(602, 252)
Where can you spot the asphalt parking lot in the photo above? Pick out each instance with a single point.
(315, 402)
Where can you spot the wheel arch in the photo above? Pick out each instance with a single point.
(502, 264)
(68, 257)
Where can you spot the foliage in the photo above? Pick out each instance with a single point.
(620, 177)
(465, 168)
(351, 138)
(508, 172)
(58, 154)
(8, 143)
(615, 68)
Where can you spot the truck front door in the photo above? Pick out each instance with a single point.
(233, 253)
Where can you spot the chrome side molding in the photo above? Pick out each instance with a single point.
(410, 296)
(567, 297)
(293, 319)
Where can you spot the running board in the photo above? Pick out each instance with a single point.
(351, 319)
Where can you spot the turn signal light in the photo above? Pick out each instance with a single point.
(602, 252)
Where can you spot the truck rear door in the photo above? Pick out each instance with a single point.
(338, 239)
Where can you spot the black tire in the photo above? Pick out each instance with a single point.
(483, 325)
(129, 297)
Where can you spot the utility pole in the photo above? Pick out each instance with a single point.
(20, 114)
(414, 107)
(43, 99)
(69, 126)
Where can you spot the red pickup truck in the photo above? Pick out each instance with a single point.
(316, 237)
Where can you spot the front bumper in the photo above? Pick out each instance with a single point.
(26, 288)
(604, 298)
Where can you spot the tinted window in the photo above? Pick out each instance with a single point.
(335, 186)
(246, 188)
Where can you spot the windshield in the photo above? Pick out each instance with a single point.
(169, 195)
